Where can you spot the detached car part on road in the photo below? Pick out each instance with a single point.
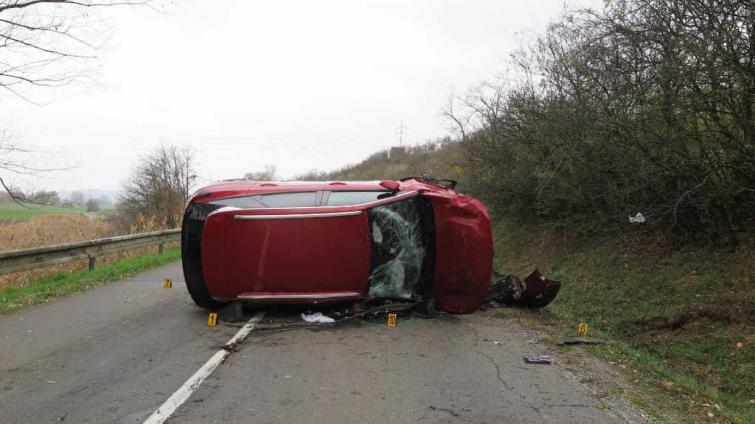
(317, 242)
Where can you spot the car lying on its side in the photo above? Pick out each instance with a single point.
(317, 242)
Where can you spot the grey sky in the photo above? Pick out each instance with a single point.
(297, 84)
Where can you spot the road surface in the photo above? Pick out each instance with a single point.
(116, 353)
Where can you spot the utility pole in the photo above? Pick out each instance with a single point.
(401, 134)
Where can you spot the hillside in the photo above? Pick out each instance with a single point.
(442, 159)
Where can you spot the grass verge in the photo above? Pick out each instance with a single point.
(14, 211)
(64, 284)
(683, 319)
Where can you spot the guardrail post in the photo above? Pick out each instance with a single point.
(92, 262)
(161, 247)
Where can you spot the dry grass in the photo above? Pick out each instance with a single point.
(48, 230)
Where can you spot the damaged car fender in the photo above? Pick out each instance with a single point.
(464, 252)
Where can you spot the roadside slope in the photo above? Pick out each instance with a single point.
(684, 317)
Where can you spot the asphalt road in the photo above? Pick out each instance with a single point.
(116, 353)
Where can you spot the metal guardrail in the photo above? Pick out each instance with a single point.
(28, 259)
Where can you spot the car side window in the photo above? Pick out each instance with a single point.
(275, 200)
(345, 198)
(289, 200)
(245, 202)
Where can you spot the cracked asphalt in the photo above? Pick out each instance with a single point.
(116, 353)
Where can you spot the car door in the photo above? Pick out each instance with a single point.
(288, 251)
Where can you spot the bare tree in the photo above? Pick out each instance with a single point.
(159, 187)
(76, 198)
(645, 105)
(45, 43)
(265, 174)
(92, 205)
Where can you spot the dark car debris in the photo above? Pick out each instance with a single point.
(535, 291)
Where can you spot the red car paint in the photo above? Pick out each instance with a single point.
(323, 253)
(464, 252)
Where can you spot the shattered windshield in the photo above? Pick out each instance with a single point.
(399, 249)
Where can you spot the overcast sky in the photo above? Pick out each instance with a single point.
(296, 84)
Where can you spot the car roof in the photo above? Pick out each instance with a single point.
(233, 188)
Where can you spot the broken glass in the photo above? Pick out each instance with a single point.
(398, 250)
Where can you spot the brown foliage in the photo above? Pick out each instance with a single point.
(645, 106)
(49, 230)
(157, 191)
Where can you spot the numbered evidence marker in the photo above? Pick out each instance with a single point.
(167, 283)
(212, 319)
(392, 320)
(582, 328)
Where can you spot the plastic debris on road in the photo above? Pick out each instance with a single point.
(538, 359)
(317, 317)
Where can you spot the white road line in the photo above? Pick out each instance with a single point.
(192, 384)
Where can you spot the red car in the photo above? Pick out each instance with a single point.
(320, 242)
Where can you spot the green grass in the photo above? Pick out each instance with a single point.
(64, 284)
(15, 211)
(675, 316)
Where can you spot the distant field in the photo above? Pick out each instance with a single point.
(14, 211)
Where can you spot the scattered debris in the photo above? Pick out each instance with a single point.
(537, 359)
(580, 340)
(535, 291)
(317, 317)
(637, 219)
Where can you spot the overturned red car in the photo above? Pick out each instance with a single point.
(266, 242)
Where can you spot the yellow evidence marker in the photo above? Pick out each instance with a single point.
(167, 283)
(212, 319)
(582, 328)
(392, 320)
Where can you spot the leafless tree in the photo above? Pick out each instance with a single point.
(158, 188)
(644, 105)
(76, 198)
(92, 205)
(265, 174)
(45, 43)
